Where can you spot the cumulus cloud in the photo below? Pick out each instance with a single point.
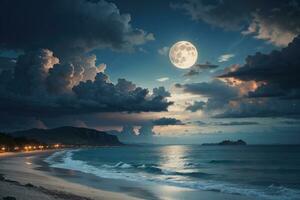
(237, 106)
(161, 92)
(31, 72)
(127, 134)
(276, 22)
(40, 86)
(56, 75)
(59, 80)
(124, 96)
(163, 51)
(167, 121)
(146, 133)
(85, 68)
(133, 134)
(217, 92)
(225, 57)
(39, 72)
(67, 28)
(232, 101)
(278, 71)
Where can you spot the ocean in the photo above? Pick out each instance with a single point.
(256, 171)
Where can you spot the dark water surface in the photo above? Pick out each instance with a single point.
(260, 172)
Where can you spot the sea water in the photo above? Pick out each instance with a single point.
(260, 172)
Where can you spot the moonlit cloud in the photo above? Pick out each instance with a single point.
(40, 86)
(225, 57)
(163, 51)
(163, 79)
(265, 29)
(165, 121)
(278, 71)
(276, 22)
(199, 68)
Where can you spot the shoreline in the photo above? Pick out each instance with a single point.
(21, 179)
(28, 172)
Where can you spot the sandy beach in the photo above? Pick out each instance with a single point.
(19, 179)
(22, 178)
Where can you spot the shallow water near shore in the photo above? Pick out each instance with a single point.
(255, 172)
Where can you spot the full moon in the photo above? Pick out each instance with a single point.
(183, 54)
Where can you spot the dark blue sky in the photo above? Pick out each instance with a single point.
(246, 79)
(169, 26)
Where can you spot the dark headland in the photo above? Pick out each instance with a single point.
(69, 135)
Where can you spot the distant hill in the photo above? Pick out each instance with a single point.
(70, 136)
(227, 143)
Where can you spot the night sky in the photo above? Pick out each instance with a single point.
(105, 65)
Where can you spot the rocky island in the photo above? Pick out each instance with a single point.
(227, 143)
